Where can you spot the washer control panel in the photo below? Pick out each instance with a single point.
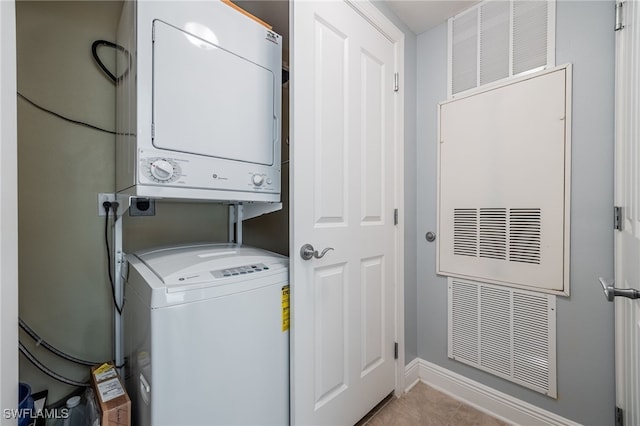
(240, 270)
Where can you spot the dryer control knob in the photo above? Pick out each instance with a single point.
(162, 170)
(257, 180)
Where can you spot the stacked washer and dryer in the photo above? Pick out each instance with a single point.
(205, 325)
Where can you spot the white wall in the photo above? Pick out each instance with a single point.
(585, 343)
(8, 214)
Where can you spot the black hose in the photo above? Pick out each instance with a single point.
(70, 120)
(46, 370)
(103, 67)
(50, 348)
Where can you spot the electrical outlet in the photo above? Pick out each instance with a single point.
(142, 207)
(102, 197)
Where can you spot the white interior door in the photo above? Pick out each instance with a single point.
(627, 181)
(345, 184)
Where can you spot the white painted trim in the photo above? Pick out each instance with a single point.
(450, 58)
(484, 398)
(372, 14)
(412, 374)
(8, 211)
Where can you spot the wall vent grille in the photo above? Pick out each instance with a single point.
(510, 333)
(500, 233)
(465, 230)
(525, 235)
(529, 35)
(495, 40)
(463, 59)
(493, 233)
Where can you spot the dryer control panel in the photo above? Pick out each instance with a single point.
(192, 171)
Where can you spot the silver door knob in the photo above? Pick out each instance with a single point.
(610, 291)
(307, 252)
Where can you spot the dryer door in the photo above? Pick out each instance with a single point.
(210, 101)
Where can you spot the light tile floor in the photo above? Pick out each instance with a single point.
(425, 406)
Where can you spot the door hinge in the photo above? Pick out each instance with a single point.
(395, 350)
(395, 216)
(617, 218)
(619, 416)
(619, 24)
(396, 82)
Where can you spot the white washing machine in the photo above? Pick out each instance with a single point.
(206, 336)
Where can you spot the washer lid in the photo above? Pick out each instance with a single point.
(192, 264)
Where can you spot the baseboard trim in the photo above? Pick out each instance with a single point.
(500, 405)
(412, 374)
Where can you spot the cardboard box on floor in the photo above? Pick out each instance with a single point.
(112, 398)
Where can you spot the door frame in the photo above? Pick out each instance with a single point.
(8, 210)
(627, 51)
(378, 20)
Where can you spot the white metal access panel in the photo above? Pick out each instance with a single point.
(504, 181)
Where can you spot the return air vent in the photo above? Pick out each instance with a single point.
(515, 237)
(465, 231)
(529, 35)
(524, 235)
(507, 332)
(493, 233)
(496, 40)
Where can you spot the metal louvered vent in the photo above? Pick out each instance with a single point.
(524, 235)
(493, 233)
(530, 339)
(499, 39)
(507, 332)
(465, 230)
(464, 306)
(464, 52)
(494, 41)
(529, 35)
(504, 234)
